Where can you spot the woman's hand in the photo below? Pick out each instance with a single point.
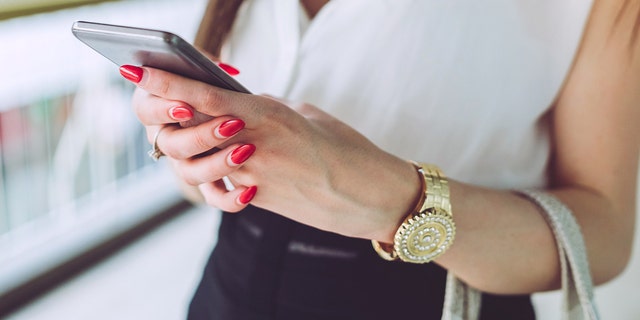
(298, 161)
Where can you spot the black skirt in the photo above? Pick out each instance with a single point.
(266, 267)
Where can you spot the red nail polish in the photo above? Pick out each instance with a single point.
(131, 73)
(247, 195)
(242, 153)
(228, 69)
(181, 113)
(231, 127)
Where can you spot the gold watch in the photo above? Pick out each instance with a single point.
(428, 230)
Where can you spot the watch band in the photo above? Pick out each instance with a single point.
(437, 189)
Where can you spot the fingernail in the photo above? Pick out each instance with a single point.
(242, 153)
(131, 73)
(229, 128)
(181, 113)
(228, 69)
(247, 195)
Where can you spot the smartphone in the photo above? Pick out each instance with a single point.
(154, 48)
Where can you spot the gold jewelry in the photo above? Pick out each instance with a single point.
(156, 153)
(428, 231)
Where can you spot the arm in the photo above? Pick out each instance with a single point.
(598, 118)
(596, 130)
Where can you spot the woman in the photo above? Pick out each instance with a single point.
(501, 96)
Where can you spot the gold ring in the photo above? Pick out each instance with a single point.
(156, 153)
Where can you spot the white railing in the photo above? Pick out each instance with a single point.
(72, 155)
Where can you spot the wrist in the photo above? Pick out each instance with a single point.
(407, 194)
(427, 230)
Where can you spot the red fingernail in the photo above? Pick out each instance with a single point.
(228, 69)
(131, 73)
(242, 153)
(181, 113)
(229, 128)
(247, 195)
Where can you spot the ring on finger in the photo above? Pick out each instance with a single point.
(155, 153)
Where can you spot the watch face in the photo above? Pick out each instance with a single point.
(425, 236)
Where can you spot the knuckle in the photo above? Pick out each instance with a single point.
(173, 153)
(191, 181)
(211, 201)
(202, 140)
(306, 109)
(168, 148)
(138, 104)
(163, 88)
(212, 97)
(214, 171)
(187, 178)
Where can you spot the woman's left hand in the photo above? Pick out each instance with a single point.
(307, 165)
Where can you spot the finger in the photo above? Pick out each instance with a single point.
(229, 69)
(153, 110)
(153, 134)
(201, 96)
(214, 166)
(216, 195)
(184, 143)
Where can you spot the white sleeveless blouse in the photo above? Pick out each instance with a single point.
(462, 84)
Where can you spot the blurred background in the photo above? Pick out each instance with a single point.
(90, 227)
(76, 184)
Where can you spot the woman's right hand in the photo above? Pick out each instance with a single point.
(185, 116)
(309, 167)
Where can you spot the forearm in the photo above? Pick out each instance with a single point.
(504, 245)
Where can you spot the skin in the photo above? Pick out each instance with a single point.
(313, 6)
(314, 169)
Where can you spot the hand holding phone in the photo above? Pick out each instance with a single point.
(157, 49)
